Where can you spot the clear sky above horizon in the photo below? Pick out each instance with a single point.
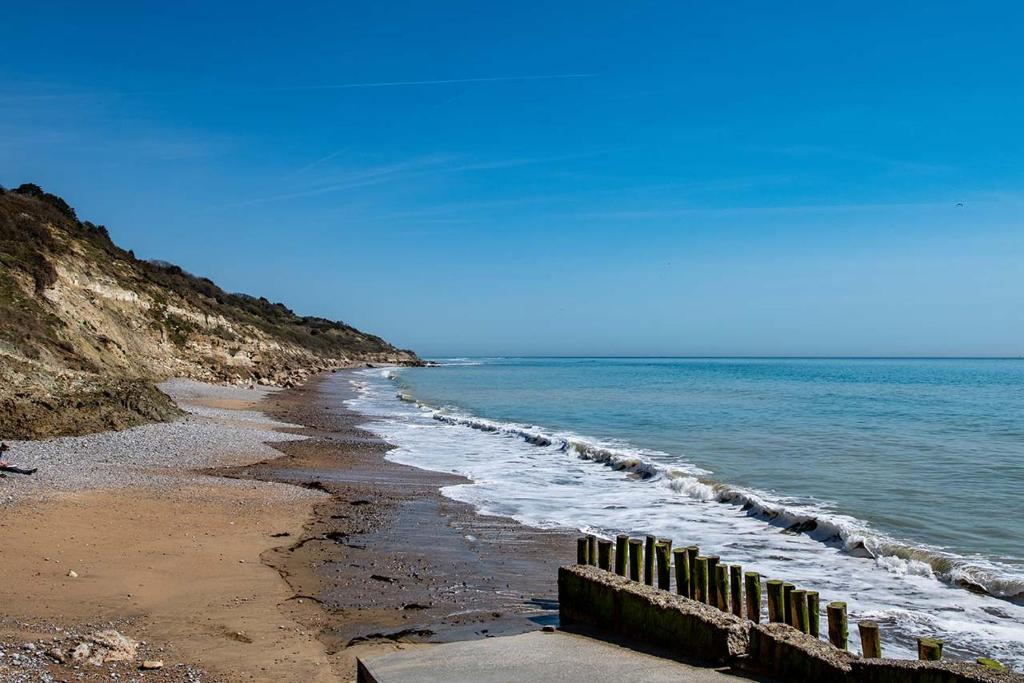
(598, 178)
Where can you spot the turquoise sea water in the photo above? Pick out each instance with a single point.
(891, 484)
(928, 450)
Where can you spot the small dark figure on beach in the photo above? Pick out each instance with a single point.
(8, 467)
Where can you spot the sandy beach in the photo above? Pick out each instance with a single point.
(261, 537)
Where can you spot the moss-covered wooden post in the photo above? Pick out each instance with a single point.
(636, 559)
(582, 551)
(712, 594)
(929, 649)
(870, 640)
(621, 553)
(722, 587)
(663, 559)
(592, 551)
(798, 608)
(753, 590)
(838, 629)
(787, 614)
(604, 554)
(649, 560)
(693, 552)
(813, 614)
(681, 559)
(776, 614)
(665, 582)
(736, 589)
(700, 580)
(989, 663)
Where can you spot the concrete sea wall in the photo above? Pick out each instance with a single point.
(601, 599)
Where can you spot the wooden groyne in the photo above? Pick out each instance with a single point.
(715, 611)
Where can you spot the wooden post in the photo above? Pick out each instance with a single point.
(621, 553)
(736, 589)
(582, 551)
(667, 542)
(929, 649)
(798, 609)
(682, 563)
(649, 560)
(662, 552)
(722, 587)
(712, 594)
(814, 614)
(787, 614)
(776, 614)
(692, 552)
(700, 580)
(753, 581)
(870, 640)
(838, 629)
(592, 551)
(604, 554)
(636, 558)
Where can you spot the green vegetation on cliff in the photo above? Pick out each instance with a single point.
(83, 318)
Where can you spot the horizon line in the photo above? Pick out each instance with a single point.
(732, 357)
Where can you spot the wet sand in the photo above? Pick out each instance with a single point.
(388, 557)
(233, 572)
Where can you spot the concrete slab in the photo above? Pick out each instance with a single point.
(531, 657)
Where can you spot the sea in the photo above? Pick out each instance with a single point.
(894, 485)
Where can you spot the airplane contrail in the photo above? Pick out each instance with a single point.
(439, 81)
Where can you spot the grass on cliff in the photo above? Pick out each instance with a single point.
(37, 227)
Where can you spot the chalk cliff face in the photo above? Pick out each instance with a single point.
(86, 328)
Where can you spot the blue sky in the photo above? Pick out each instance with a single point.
(552, 178)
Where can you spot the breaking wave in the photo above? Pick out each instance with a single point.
(851, 535)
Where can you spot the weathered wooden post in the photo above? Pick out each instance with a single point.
(838, 629)
(667, 583)
(736, 589)
(787, 614)
(722, 587)
(814, 614)
(662, 551)
(636, 559)
(798, 609)
(621, 553)
(870, 640)
(682, 563)
(592, 550)
(753, 581)
(693, 552)
(582, 551)
(649, 560)
(604, 554)
(929, 649)
(700, 580)
(776, 614)
(712, 594)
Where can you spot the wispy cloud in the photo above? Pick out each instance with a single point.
(436, 81)
(403, 171)
(675, 212)
(857, 156)
(351, 180)
(313, 164)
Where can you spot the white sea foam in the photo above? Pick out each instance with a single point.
(853, 535)
(548, 479)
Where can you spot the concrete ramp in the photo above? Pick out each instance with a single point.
(528, 658)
